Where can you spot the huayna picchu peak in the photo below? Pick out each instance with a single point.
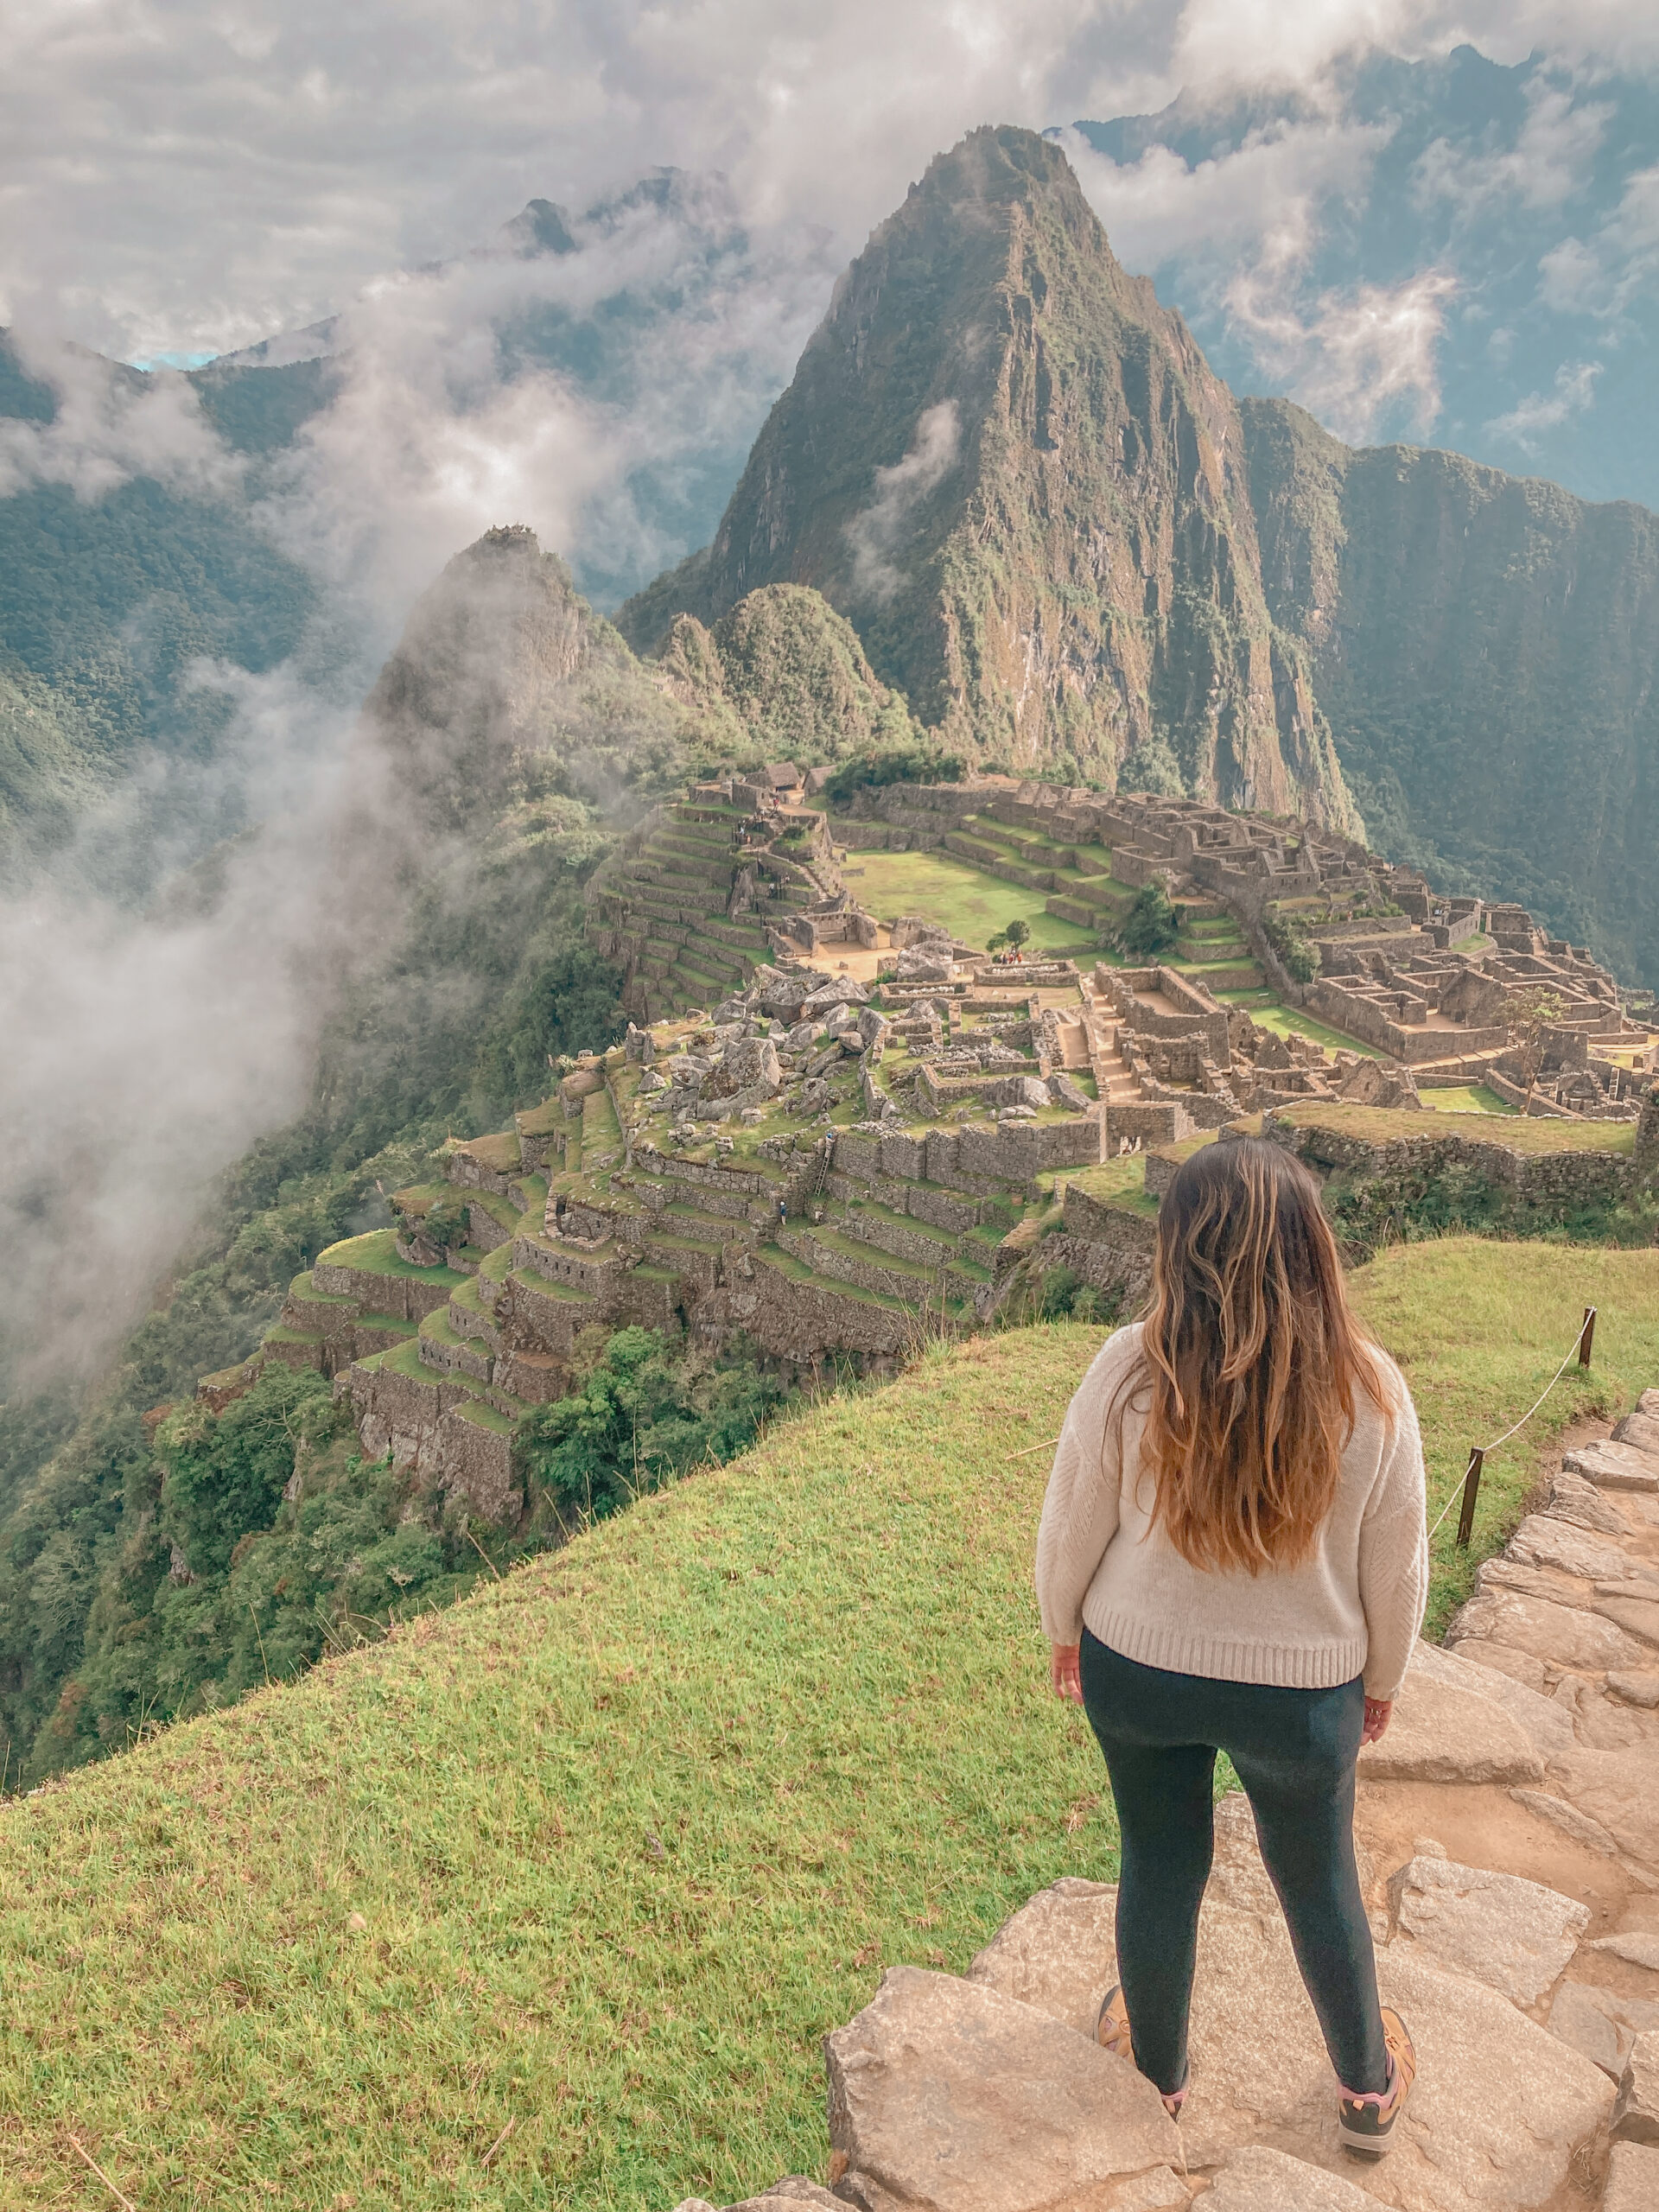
(1013, 470)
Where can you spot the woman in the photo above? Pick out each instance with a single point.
(1232, 1557)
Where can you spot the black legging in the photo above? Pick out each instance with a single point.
(1295, 1752)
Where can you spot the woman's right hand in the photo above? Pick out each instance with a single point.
(1378, 1713)
(1063, 1671)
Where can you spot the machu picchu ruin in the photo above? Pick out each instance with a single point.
(832, 1131)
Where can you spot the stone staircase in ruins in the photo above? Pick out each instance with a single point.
(1508, 1831)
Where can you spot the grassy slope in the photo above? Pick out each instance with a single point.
(814, 1679)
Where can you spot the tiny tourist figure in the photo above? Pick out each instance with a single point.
(1232, 1556)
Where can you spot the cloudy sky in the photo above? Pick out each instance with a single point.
(180, 177)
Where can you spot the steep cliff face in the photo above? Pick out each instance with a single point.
(1486, 648)
(1015, 475)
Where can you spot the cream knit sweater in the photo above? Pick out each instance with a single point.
(1354, 1607)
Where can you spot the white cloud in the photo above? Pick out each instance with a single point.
(1574, 393)
(875, 532)
(1357, 354)
(108, 428)
(1602, 275)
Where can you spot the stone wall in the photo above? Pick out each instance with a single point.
(1588, 1178)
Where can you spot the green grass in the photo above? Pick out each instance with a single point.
(1478, 1328)
(377, 1254)
(1468, 1098)
(1291, 1021)
(972, 906)
(605, 1850)
(1392, 1124)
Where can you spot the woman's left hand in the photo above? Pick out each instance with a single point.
(1378, 1713)
(1063, 1671)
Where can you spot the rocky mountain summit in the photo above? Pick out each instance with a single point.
(1508, 1830)
(1013, 470)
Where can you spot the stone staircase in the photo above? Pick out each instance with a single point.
(1507, 1835)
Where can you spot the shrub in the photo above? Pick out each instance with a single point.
(900, 765)
(641, 1418)
(1149, 927)
(1302, 962)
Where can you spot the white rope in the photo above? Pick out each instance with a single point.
(1486, 1450)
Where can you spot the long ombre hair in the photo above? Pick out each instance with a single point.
(1252, 1361)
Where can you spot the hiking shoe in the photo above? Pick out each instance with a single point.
(1365, 2124)
(1112, 2033)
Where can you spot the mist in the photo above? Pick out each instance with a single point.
(328, 167)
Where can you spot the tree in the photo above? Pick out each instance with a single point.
(1150, 925)
(1531, 1017)
(1017, 932)
(996, 944)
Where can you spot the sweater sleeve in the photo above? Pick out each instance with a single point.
(1080, 1509)
(1394, 1556)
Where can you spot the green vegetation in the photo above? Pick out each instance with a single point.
(781, 676)
(1268, 1012)
(1150, 926)
(912, 764)
(1395, 1125)
(605, 1851)
(642, 1416)
(1467, 1098)
(971, 904)
(1300, 960)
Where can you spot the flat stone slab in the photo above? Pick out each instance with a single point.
(1620, 1790)
(1261, 2180)
(1637, 1617)
(1540, 1718)
(1632, 2179)
(1640, 1690)
(1543, 1541)
(1639, 1429)
(1516, 1936)
(1562, 1636)
(1636, 2116)
(1614, 1466)
(947, 2096)
(1636, 1946)
(1443, 1730)
(1574, 1500)
(1058, 1952)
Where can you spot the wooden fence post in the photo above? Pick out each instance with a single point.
(1586, 1336)
(1470, 1492)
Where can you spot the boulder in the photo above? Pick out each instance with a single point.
(930, 963)
(1260, 2180)
(1026, 1090)
(1636, 2116)
(1614, 1466)
(1636, 1690)
(1632, 2179)
(1516, 1936)
(1064, 1092)
(752, 1063)
(1636, 1616)
(948, 2095)
(1444, 1730)
(1500, 2104)
(873, 1028)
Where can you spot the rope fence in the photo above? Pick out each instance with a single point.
(1469, 1488)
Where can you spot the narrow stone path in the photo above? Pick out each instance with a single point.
(1509, 1841)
